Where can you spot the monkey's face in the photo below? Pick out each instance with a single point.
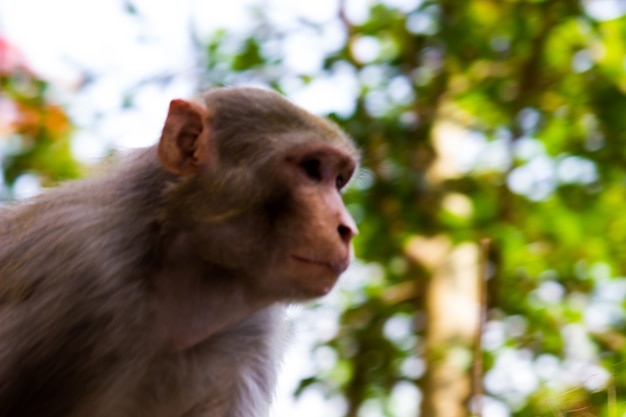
(317, 246)
(264, 201)
(284, 225)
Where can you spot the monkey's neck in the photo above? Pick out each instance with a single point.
(194, 303)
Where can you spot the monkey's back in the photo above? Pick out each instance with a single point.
(62, 310)
(76, 334)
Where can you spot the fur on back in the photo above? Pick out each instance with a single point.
(54, 349)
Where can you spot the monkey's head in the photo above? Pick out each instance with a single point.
(259, 190)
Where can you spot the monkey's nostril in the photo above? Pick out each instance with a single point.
(345, 233)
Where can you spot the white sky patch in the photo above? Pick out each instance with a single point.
(495, 156)
(357, 11)
(512, 376)
(527, 148)
(118, 49)
(48, 39)
(27, 185)
(413, 367)
(599, 317)
(333, 36)
(495, 408)
(605, 9)
(576, 343)
(610, 291)
(605, 307)
(372, 76)
(121, 50)
(405, 399)
(303, 52)
(535, 179)
(582, 61)
(548, 367)
(86, 147)
(574, 169)
(470, 150)
(404, 5)
(400, 90)
(365, 49)
(515, 326)
(399, 327)
(288, 12)
(332, 93)
(549, 292)
(421, 23)
(494, 335)
(208, 16)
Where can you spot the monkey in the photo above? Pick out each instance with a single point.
(158, 288)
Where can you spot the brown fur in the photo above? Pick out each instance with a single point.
(157, 289)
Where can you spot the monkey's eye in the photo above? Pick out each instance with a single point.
(340, 182)
(312, 168)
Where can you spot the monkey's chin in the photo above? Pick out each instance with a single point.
(315, 278)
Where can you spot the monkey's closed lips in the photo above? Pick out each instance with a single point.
(338, 268)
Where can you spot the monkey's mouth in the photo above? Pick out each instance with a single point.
(337, 268)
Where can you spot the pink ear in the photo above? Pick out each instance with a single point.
(184, 144)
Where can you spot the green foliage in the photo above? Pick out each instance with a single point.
(37, 134)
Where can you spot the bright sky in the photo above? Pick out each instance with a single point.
(66, 38)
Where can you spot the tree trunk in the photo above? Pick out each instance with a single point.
(452, 298)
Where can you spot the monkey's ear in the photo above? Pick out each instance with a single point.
(184, 147)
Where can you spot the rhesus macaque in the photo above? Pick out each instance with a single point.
(158, 289)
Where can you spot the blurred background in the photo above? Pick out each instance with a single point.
(491, 260)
